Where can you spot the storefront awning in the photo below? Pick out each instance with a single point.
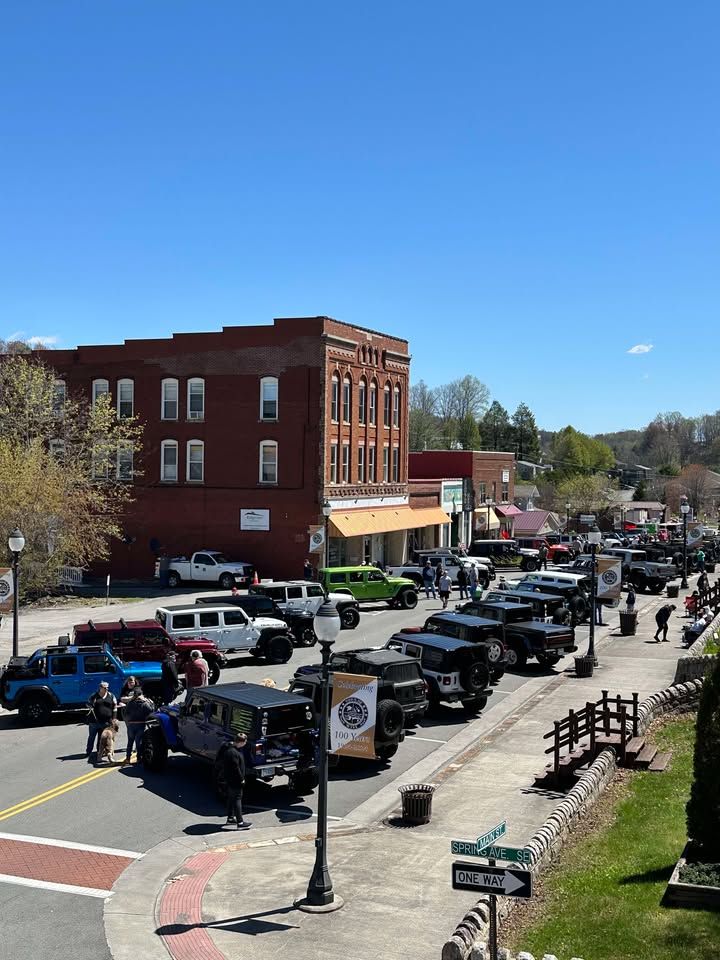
(482, 515)
(358, 523)
(509, 510)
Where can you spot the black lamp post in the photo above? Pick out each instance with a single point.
(594, 537)
(16, 543)
(567, 518)
(320, 897)
(684, 510)
(327, 510)
(488, 504)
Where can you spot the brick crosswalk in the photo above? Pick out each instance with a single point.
(52, 863)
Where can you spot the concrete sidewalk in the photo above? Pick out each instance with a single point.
(229, 896)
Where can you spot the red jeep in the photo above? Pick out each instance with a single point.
(147, 640)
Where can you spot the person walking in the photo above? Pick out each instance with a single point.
(135, 713)
(444, 587)
(462, 579)
(169, 677)
(700, 560)
(196, 672)
(473, 581)
(428, 576)
(703, 584)
(543, 556)
(630, 601)
(103, 710)
(233, 761)
(661, 619)
(308, 570)
(439, 570)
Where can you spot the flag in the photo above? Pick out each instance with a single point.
(609, 578)
(352, 715)
(6, 589)
(317, 539)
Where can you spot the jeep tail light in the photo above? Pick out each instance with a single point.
(426, 687)
(447, 681)
(259, 748)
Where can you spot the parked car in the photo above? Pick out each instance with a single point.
(487, 634)
(210, 566)
(420, 555)
(556, 552)
(302, 595)
(300, 622)
(370, 585)
(525, 637)
(451, 563)
(640, 571)
(64, 677)
(546, 607)
(230, 628)
(143, 640)
(453, 669)
(573, 587)
(281, 729)
(505, 553)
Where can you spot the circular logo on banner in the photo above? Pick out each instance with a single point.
(610, 577)
(353, 713)
(316, 539)
(4, 588)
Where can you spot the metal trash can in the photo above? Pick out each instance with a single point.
(416, 802)
(628, 623)
(710, 567)
(672, 590)
(584, 666)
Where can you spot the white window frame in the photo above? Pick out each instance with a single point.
(163, 400)
(361, 463)
(372, 463)
(362, 401)
(195, 414)
(273, 445)
(126, 381)
(346, 399)
(96, 389)
(386, 464)
(346, 463)
(169, 445)
(387, 406)
(189, 463)
(333, 463)
(125, 448)
(372, 414)
(266, 382)
(396, 464)
(335, 398)
(396, 406)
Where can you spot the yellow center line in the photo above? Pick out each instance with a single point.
(55, 792)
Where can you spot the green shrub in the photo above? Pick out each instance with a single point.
(707, 874)
(703, 808)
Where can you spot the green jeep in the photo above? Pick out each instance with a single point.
(368, 585)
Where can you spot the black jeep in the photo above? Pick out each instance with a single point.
(525, 637)
(488, 634)
(300, 622)
(546, 607)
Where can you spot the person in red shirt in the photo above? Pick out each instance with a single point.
(196, 671)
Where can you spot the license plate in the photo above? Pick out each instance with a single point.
(266, 771)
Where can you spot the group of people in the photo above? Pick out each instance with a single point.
(438, 577)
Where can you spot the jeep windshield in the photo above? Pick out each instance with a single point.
(288, 718)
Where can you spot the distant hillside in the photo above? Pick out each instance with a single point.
(625, 444)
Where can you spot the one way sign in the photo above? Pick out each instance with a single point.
(500, 880)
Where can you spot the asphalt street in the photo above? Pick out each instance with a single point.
(43, 795)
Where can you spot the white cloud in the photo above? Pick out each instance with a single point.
(641, 348)
(45, 341)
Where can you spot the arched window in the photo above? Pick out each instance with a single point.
(196, 399)
(335, 398)
(169, 399)
(195, 464)
(269, 398)
(363, 355)
(373, 404)
(125, 399)
(169, 461)
(396, 406)
(99, 389)
(125, 461)
(387, 405)
(362, 401)
(268, 461)
(347, 399)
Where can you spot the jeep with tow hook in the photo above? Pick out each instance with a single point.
(281, 729)
(525, 637)
(300, 622)
(572, 585)
(304, 596)
(370, 585)
(231, 629)
(64, 678)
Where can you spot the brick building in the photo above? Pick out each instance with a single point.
(249, 430)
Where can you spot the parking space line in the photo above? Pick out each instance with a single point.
(69, 845)
(55, 792)
(426, 740)
(57, 887)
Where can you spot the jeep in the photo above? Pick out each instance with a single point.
(147, 640)
(294, 595)
(525, 637)
(475, 629)
(572, 585)
(640, 571)
(281, 729)
(453, 668)
(370, 585)
(546, 607)
(64, 677)
(505, 553)
(230, 628)
(300, 622)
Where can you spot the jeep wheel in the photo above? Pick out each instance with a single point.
(548, 659)
(214, 672)
(639, 582)
(304, 782)
(386, 753)
(473, 705)
(278, 649)
(349, 618)
(562, 616)
(173, 579)
(475, 677)
(529, 564)
(389, 720)
(655, 586)
(515, 657)
(226, 581)
(154, 750)
(408, 599)
(495, 652)
(497, 673)
(34, 709)
(578, 610)
(308, 637)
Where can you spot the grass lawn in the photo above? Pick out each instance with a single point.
(602, 900)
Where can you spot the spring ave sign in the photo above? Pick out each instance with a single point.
(352, 715)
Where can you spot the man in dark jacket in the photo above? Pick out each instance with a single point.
(661, 619)
(135, 714)
(233, 761)
(462, 579)
(170, 678)
(103, 710)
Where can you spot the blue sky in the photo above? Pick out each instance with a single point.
(525, 191)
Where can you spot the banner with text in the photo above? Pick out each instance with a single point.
(6, 589)
(317, 539)
(352, 715)
(609, 578)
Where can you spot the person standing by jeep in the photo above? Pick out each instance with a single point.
(135, 713)
(233, 762)
(462, 579)
(444, 587)
(473, 581)
(428, 575)
(170, 678)
(543, 556)
(196, 672)
(103, 710)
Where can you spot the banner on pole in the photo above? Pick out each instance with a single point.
(694, 532)
(352, 715)
(317, 539)
(6, 589)
(609, 578)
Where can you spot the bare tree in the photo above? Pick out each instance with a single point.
(697, 483)
(422, 415)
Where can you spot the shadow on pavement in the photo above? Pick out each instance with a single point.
(251, 923)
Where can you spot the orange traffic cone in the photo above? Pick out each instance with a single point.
(256, 579)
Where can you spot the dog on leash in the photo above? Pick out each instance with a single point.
(106, 751)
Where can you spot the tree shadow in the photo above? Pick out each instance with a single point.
(659, 875)
(251, 924)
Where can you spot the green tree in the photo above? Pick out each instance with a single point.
(575, 452)
(640, 491)
(468, 433)
(703, 808)
(586, 493)
(525, 434)
(423, 421)
(495, 428)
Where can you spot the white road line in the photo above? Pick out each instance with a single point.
(57, 887)
(425, 740)
(47, 842)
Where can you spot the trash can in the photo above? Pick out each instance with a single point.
(628, 623)
(416, 802)
(710, 567)
(584, 666)
(672, 590)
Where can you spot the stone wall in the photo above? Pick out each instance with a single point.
(481, 953)
(695, 663)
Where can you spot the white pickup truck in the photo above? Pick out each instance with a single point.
(209, 566)
(451, 562)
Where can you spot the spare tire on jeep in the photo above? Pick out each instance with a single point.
(389, 720)
(475, 677)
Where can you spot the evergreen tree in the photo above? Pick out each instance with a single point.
(495, 428)
(525, 434)
(703, 808)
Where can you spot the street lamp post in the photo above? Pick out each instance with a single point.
(488, 504)
(684, 510)
(16, 543)
(567, 518)
(594, 537)
(327, 510)
(320, 896)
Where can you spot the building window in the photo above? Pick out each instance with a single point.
(125, 462)
(387, 401)
(373, 404)
(57, 449)
(396, 464)
(505, 494)
(347, 396)
(99, 463)
(169, 461)
(195, 467)
(333, 463)
(169, 401)
(99, 389)
(372, 467)
(125, 398)
(269, 398)
(268, 461)
(482, 491)
(196, 399)
(346, 463)
(59, 398)
(361, 464)
(334, 398)
(494, 493)
(386, 464)
(362, 401)
(396, 407)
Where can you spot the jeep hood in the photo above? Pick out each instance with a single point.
(269, 623)
(402, 582)
(196, 643)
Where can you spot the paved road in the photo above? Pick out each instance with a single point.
(43, 793)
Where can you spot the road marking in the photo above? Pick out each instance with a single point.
(55, 792)
(68, 845)
(426, 740)
(58, 887)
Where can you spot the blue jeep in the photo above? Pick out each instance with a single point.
(281, 729)
(64, 677)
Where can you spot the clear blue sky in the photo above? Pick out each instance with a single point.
(524, 190)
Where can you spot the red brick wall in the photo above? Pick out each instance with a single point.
(484, 466)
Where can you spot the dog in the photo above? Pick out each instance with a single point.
(268, 682)
(107, 743)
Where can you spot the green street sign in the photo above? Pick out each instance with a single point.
(485, 839)
(509, 854)
(465, 848)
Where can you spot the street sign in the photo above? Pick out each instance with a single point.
(587, 518)
(506, 882)
(465, 848)
(485, 839)
(509, 854)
